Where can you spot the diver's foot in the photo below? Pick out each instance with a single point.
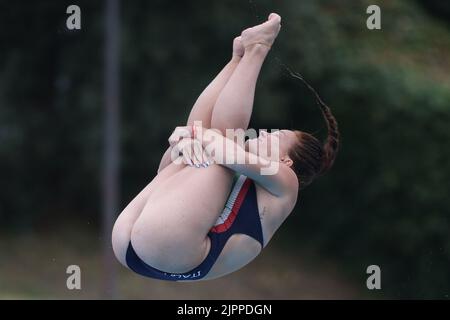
(262, 34)
(238, 47)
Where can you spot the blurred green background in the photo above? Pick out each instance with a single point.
(385, 202)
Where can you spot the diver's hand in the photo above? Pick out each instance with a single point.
(180, 133)
(188, 147)
(191, 153)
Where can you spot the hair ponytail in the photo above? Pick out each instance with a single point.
(310, 157)
(331, 144)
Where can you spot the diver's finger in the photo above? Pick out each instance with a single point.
(198, 152)
(187, 156)
(205, 159)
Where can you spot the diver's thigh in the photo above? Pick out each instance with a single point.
(193, 196)
(171, 230)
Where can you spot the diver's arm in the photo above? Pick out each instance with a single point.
(275, 177)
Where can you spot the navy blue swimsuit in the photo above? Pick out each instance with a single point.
(240, 215)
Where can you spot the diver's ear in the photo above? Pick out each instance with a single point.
(287, 161)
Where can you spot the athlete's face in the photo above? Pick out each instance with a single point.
(272, 146)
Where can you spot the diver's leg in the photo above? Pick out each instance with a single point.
(234, 105)
(202, 109)
(170, 234)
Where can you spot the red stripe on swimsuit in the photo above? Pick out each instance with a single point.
(235, 209)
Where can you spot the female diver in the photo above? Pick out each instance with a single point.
(192, 223)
